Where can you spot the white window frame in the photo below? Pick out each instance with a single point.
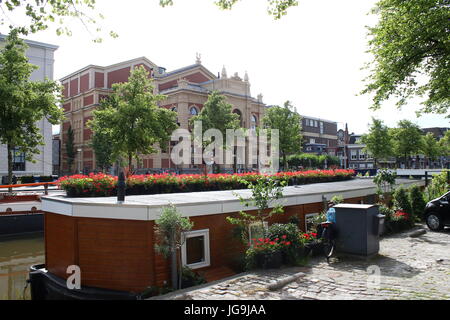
(207, 253)
(307, 216)
(250, 236)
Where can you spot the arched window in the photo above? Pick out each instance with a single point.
(254, 122)
(193, 111)
(238, 112)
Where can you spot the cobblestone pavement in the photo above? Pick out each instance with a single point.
(411, 268)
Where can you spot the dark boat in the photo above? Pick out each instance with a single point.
(45, 286)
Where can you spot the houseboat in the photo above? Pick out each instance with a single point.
(113, 244)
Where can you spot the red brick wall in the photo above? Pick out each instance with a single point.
(74, 87)
(87, 101)
(87, 134)
(197, 77)
(99, 80)
(84, 83)
(118, 76)
(67, 107)
(167, 85)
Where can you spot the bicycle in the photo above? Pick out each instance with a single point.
(327, 232)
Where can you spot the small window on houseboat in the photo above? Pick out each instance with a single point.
(195, 250)
(309, 221)
(256, 231)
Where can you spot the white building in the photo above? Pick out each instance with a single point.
(41, 55)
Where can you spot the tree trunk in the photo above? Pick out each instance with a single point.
(130, 162)
(10, 167)
(173, 266)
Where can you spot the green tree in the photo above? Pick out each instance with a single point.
(264, 195)
(216, 114)
(430, 147)
(407, 138)
(276, 8)
(169, 228)
(23, 103)
(378, 141)
(70, 148)
(444, 144)
(37, 15)
(132, 119)
(288, 122)
(101, 143)
(410, 42)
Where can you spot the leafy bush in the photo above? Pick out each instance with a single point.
(288, 232)
(401, 200)
(396, 220)
(307, 160)
(266, 253)
(438, 186)
(417, 201)
(190, 278)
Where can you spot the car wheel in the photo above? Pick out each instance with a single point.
(434, 222)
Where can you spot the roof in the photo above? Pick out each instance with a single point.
(33, 43)
(92, 66)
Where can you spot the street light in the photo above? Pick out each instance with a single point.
(79, 159)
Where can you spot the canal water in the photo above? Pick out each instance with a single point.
(16, 256)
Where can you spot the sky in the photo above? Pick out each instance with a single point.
(312, 57)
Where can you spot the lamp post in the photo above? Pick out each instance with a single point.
(79, 159)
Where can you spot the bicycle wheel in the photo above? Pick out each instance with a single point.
(328, 248)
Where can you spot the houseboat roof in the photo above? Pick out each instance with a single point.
(148, 207)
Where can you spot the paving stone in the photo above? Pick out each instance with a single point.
(411, 268)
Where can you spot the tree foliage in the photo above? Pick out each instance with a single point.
(288, 122)
(132, 119)
(169, 229)
(410, 41)
(40, 14)
(23, 103)
(101, 144)
(265, 193)
(378, 141)
(275, 8)
(430, 147)
(407, 138)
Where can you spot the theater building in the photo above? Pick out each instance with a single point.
(186, 89)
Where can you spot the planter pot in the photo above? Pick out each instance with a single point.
(315, 248)
(269, 261)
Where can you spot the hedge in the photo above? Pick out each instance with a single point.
(101, 185)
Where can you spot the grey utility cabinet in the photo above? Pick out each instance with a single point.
(358, 229)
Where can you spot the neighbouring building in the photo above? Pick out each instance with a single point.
(319, 136)
(186, 89)
(443, 161)
(41, 55)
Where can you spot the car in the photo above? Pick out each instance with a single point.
(437, 213)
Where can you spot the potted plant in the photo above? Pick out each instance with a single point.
(311, 244)
(266, 253)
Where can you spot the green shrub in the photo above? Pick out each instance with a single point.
(401, 200)
(417, 201)
(438, 186)
(290, 233)
(190, 278)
